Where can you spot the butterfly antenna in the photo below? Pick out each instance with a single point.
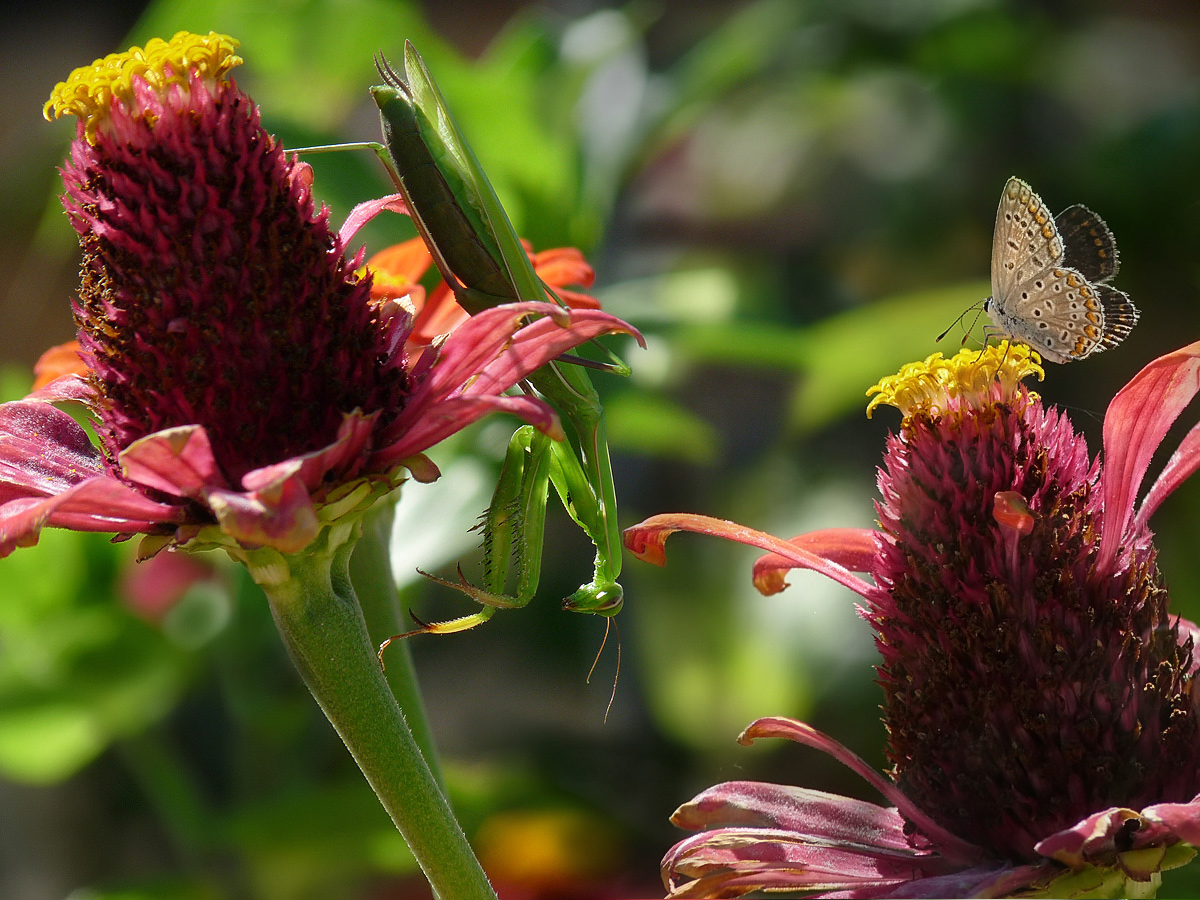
(976, 306)
(967, 333)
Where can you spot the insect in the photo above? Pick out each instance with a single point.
(480, 257)
(1050, 278)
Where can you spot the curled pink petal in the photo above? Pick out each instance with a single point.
(1096, 839)
(178, 461)
(549, 337)
(647, 541)
(1182, 819)
(422, 468)
(778, 726)
(484, 357)
(365, 212)
(471, 346)
(729, 862)
(1181, 466)
(1134, 425)
(822, 816)
(452, 415)
(281, 516)
(65, 387)
(852, 548)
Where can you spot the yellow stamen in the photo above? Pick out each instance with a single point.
(969, 374)
(89, 91)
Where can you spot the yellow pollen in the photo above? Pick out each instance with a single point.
(89, 91)
(928, 386)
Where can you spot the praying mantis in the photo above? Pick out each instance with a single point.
(479, 255)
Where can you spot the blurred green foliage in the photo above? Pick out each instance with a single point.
(791, 198)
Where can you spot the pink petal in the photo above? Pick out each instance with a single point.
(729, 862)
(65, 387)
(1105, 837)
(50, 474)
(986, 880)
(178, 461)
(482, 358)
(1134, 425)
(1182, 819)
(474, 344)
(852, 548)
(43, 451)
(365, 212)
(545, 339)
(648, 539)
(461, 358)
(822, 816)
(281, 516)
(453, 415)
(944, 842)
(1094, 840)
(101, 503)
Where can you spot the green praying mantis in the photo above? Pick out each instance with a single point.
(479, 255)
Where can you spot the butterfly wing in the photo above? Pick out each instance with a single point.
(1120, 315)
(1060, 314)
(1088, 245)
(1025, 242)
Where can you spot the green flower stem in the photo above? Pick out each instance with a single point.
(386, 616)
(323, 628)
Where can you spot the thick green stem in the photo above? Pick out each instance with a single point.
(323, 628)
(385, 615)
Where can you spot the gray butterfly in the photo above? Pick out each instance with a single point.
(1049, 278)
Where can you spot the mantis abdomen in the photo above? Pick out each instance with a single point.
(452, 229)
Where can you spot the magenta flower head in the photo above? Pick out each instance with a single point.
(248, 391)
(1040, 700)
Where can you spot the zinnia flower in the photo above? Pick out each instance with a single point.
(1040, 700)
(248, 390)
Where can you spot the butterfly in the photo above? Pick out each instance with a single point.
(1049, 278)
